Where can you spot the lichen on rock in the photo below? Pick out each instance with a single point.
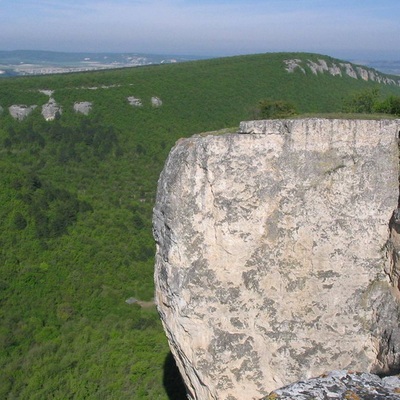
(343, 384)
(273, 254)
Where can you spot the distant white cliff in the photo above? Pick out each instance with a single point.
(52, 109)
(339, 69)
(20, 111)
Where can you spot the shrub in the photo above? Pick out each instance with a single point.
(362, 102)
(391, 105)
(271, 109)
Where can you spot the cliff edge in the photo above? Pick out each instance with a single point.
(277, 254)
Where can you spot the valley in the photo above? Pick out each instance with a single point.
(77, 194)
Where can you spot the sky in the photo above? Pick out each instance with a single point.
(353, 30)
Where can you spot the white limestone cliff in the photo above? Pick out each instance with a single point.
(20, 111)
(83, 107)
(341, 69)
(51, 110)
(134, 101)
(276, 254)
(156, 102)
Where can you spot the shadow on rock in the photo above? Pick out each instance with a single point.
(173, 382)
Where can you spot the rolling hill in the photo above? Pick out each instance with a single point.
(77, 191)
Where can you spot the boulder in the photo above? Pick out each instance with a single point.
(134, 101)
(20, 111)
(50, 110)
(156, 102)
(341, 385)
(83, 107)
(277, 254)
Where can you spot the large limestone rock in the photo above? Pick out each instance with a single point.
(50, 110)
(83, 107)
(156, 102)
(20, 111)
(134, 101)
(276, 254)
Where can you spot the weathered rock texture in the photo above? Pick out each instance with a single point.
(20, 111)
(83, 107)
(134, 101)
(274, 257)
(341, 385)
(156, 102)
(340, 69)
(50, 110)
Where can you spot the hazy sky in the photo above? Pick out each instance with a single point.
(364, 29)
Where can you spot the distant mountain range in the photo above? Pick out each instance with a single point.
(27, 62)
(36, 62)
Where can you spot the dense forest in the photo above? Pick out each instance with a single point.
(77, 194)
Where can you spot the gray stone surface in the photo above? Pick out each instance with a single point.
(341, 385)
(83, 107)
(276, 258)
(354, 71)
(50, 110)
(134, 101)
(156, 102)
(47, 92)
(20, 111)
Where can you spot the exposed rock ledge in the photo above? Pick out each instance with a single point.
(341, 385)
(340, 69)
(275, 258)
(20, 111)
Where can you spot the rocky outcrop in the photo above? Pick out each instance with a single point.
(156, 102)
(83, 107)
(20, 111)
(275, 261)
(51, 110)
(339, 69)
(47, 92)
(341, 385)
(134, 101)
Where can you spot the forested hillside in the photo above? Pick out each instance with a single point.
(76, 203)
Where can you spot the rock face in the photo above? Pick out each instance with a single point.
(134, 101)
(20, 111)
(277, 254)
(50, 110)
(156, 102)
(83, 107)
(340, 69)
(341, 385)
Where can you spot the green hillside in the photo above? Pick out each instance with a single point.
(75, 218)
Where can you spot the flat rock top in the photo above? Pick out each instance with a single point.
(271, 261)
